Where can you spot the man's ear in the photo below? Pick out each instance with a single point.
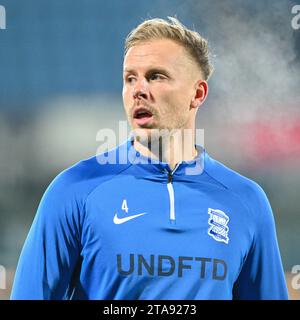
(201, 91)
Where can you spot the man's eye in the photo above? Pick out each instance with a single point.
(130, 79)
(156, 76)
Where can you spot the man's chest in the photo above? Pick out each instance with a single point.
(144, 229)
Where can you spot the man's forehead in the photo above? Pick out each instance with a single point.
(157, 53)
(155, 46)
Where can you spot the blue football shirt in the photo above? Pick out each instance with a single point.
(137, 230)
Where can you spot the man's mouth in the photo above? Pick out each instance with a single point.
(142, 113)
(142, 116)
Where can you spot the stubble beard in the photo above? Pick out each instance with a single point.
(158, 137)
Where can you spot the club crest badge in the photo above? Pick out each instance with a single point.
(218, 229)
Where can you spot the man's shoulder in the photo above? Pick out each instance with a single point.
(86, 174)
(244, 187)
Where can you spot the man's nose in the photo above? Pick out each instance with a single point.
(141, 89)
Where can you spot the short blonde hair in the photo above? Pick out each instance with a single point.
(174, 30)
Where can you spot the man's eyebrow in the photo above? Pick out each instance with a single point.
(129, 70)
(157, 70)
(149, 71)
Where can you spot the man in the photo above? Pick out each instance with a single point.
(171, 223)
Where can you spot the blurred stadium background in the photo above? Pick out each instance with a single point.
(61, 82)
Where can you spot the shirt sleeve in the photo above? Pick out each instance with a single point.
(52, 248)
(262, 276)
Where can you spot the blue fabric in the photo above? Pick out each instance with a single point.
(221, 245)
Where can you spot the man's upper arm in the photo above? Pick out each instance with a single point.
(262, 275)
(52, 247)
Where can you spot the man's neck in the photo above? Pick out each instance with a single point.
(171, 151)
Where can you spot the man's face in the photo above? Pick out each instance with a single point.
(160, 85)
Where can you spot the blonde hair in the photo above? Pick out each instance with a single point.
(174, 30)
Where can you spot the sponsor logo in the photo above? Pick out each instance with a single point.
(165, 266)
(122, 220)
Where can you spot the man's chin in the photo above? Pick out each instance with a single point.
(143, 134)
(151, 135)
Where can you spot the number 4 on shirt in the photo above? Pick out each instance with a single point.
(124, 206)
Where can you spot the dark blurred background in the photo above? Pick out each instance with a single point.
(61, 82)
